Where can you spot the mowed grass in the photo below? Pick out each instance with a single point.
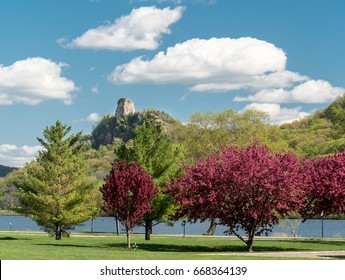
(39, 246)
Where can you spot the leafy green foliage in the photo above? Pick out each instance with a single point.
(55, 191)
(321, 133)
(154, 151)
(8, 200)
(336, 113)
(207, 133)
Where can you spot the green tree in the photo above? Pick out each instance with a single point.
(205, 133)
(153, 150)
(56, 191)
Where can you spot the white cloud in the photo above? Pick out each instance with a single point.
(93, 117)
(312, 91)
(178, 2)
(216, 64)
(95, 89)
(257, 82)
(226, 64)
(11, 155)
(34, 80)
(278, 114)
(141, 29)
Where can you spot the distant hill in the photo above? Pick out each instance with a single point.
(4, 170)
(320, 133)
(111, 127)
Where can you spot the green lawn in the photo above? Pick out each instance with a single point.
(38, 246)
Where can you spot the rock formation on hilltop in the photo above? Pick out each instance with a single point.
(122, 125)
(125, 107)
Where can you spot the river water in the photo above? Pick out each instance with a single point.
(310, 228)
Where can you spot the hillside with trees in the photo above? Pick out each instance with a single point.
(111, 128)
(320, 133)
(4, 170)
(157, 142)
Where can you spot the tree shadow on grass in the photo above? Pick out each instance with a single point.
(335, 256)
(9, 238)
(172, 248)
(70, 245)
(233, 248)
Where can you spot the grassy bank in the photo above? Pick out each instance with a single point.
(38, 246)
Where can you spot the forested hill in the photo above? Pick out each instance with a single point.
(111, 127)
(321, 133)
(4, 170)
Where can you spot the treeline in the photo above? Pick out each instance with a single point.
(160, 146)
(318, 134)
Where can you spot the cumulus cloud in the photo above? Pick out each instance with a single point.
(255, 82)
(11, 155)
(141, 29)
(179, 2)
(34, 80)
(278, 114)
(312, 91)
(93, 117)
(216, 64)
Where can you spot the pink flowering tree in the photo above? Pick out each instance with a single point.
(196, 191)
(258, 189)
(127, 194)
(324, 185)
(248, 190)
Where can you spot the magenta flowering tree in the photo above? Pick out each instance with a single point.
(196, 191)
(246, 189)
(127, 194)
(324, 185)
(258, 189)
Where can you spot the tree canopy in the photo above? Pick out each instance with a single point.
(247, 189)
(324, 185)
(127, 193)
(55, 191)
(153, 150)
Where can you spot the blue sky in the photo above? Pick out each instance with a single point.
(72, 60)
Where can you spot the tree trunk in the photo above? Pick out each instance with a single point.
(58, 232)
(148, 229)
(211, 230)
(128, 233)
(250, 242)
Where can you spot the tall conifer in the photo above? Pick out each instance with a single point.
(56, 191)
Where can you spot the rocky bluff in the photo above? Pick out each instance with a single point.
(125, 107)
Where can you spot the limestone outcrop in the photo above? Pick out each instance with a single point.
(125, 107)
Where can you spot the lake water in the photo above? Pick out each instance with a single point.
(310, 228)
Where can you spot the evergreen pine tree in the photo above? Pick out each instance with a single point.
(56, 191)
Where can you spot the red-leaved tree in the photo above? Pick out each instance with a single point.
(127, 194)
(246, 189)
(196, 191)
(258, 189)
(324, 185)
